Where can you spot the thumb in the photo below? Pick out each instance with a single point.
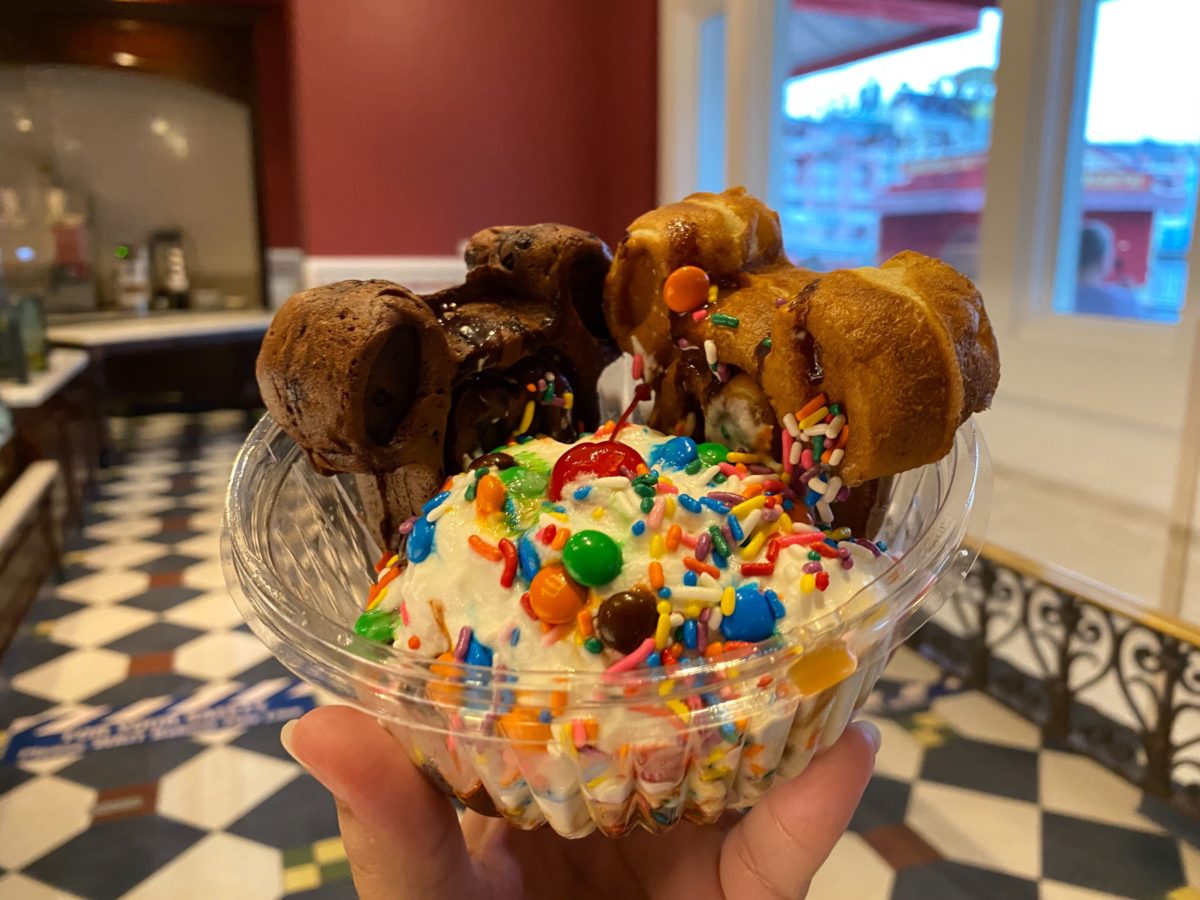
(777, 848)
(401, 836)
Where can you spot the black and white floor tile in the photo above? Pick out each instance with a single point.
(966, 801)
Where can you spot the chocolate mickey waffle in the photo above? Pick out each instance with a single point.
(399, 389)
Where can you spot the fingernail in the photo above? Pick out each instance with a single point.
(871, 732)
(285, 738)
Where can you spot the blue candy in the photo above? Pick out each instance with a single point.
(720, 561)
(777, 609)
(690, 503)
(432, 504)
(653, 660)
(690, 578)
(527, 558)
(665, 593)
(689, 634)
(581, 493)
(752, 619)
(639, 528)
(735, 528)
(478, 654)
(716, 506)
(673, 454)
(420, 540)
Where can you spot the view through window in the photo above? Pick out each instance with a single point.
(1140, 161)
(886, 127)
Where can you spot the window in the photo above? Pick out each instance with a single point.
(886, 121)
(1140, 159)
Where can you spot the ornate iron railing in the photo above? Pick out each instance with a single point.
(1098, 674)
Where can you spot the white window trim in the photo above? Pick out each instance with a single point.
(679, 24)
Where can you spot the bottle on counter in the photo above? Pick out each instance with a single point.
(131, 287)
(168, 271)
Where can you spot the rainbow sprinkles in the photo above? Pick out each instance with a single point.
(626, 550)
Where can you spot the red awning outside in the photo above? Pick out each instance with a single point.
(956, 184)
(823, 34)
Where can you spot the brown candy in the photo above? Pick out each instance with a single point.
(626, 619)
(492, 461)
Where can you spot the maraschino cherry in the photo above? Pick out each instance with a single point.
(601, 458)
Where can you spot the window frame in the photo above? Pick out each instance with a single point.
(1029, 229)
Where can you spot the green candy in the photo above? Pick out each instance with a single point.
(591, 557)
(711, 453)
(532, 461)
(522, 482)
(593, 645)
(694, 466)
(377, 625)
(718, 540)
(647, 504)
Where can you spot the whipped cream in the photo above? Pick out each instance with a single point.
(781, 575)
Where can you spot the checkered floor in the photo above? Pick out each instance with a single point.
(966, 803)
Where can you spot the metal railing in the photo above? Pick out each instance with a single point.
(1097, 673)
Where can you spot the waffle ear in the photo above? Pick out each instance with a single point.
(548, 260)
(725, 234)
(358, 373)
(909, 350)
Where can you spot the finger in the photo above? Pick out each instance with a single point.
(401, 836)
(778, 847)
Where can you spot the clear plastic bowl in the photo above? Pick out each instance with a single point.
(581, 751)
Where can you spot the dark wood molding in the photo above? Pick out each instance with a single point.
(208, 46)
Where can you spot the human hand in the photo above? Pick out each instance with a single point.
(405, 840)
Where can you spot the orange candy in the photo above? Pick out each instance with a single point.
(555, 596)
(523, 727)
(447, 692)
(816, 671)
(489, 495)
(685, 289)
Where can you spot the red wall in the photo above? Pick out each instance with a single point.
(275, 144)
(419, 122)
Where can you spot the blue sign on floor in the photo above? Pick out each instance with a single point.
(211, 708)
